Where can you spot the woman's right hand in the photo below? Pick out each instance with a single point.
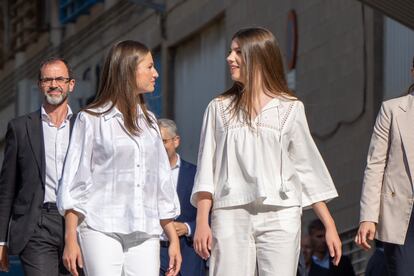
(366, 232)
(72, 256)
(202, 240)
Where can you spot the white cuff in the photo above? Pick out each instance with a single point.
(188, 229)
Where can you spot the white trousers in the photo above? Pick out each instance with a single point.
(255, 239)
(117, 254)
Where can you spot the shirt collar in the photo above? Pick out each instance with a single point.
(114, 112)
(46, 117)
(178, 163)
(271, 104)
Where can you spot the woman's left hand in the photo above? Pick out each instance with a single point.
(175, 259)
(334, 245)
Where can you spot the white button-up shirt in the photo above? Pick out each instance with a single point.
(121, 183)
(276, 161)
(56, 141)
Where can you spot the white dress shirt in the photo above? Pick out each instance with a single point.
(56, 141)
(276, 161)
(121, 183)
(176, 171)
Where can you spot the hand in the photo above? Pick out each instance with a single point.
(175, 259)
(366, 231)
(334, 245)
(4, 259)
(202, 241)
(181, 228)
(72, 257)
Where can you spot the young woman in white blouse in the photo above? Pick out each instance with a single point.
(257, 167)
(116, 191)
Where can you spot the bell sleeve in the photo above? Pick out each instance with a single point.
(317, 184)
(204, 178)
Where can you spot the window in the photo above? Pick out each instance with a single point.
(69, 10)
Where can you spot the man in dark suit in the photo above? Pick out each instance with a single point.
(321, 263)
(183, 175)
(36, 145)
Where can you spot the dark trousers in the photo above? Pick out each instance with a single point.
(42, 255)
(192, 264)
(399, 259)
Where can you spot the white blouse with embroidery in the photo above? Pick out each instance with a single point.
(275, 161)
(120, 182)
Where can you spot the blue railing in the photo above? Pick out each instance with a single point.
(69, 10)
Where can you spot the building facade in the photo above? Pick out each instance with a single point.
(337, 59)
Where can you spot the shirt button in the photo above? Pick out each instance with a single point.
(138, 165)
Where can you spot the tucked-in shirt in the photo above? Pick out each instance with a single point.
(121, 183)
(274, 161)
(56, 141)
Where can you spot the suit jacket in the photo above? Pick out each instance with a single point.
(387, 193)
(22, 180)
(192, 264)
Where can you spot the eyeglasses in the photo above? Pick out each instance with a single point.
(58, 80)
(165, 141)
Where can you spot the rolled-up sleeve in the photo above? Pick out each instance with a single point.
(77, 176)
(204, 178)
(317, 184)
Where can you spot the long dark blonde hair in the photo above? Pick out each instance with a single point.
(262, 62)
(118, 84)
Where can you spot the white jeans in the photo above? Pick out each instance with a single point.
(255, 239)
(110, 254)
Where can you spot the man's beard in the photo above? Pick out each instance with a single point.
(56, 99)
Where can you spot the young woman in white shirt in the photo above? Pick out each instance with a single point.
(257, 167)
(116, 191)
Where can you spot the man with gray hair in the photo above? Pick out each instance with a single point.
(183, 175)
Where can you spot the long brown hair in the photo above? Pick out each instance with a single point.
(118, 84)
(262, 63)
